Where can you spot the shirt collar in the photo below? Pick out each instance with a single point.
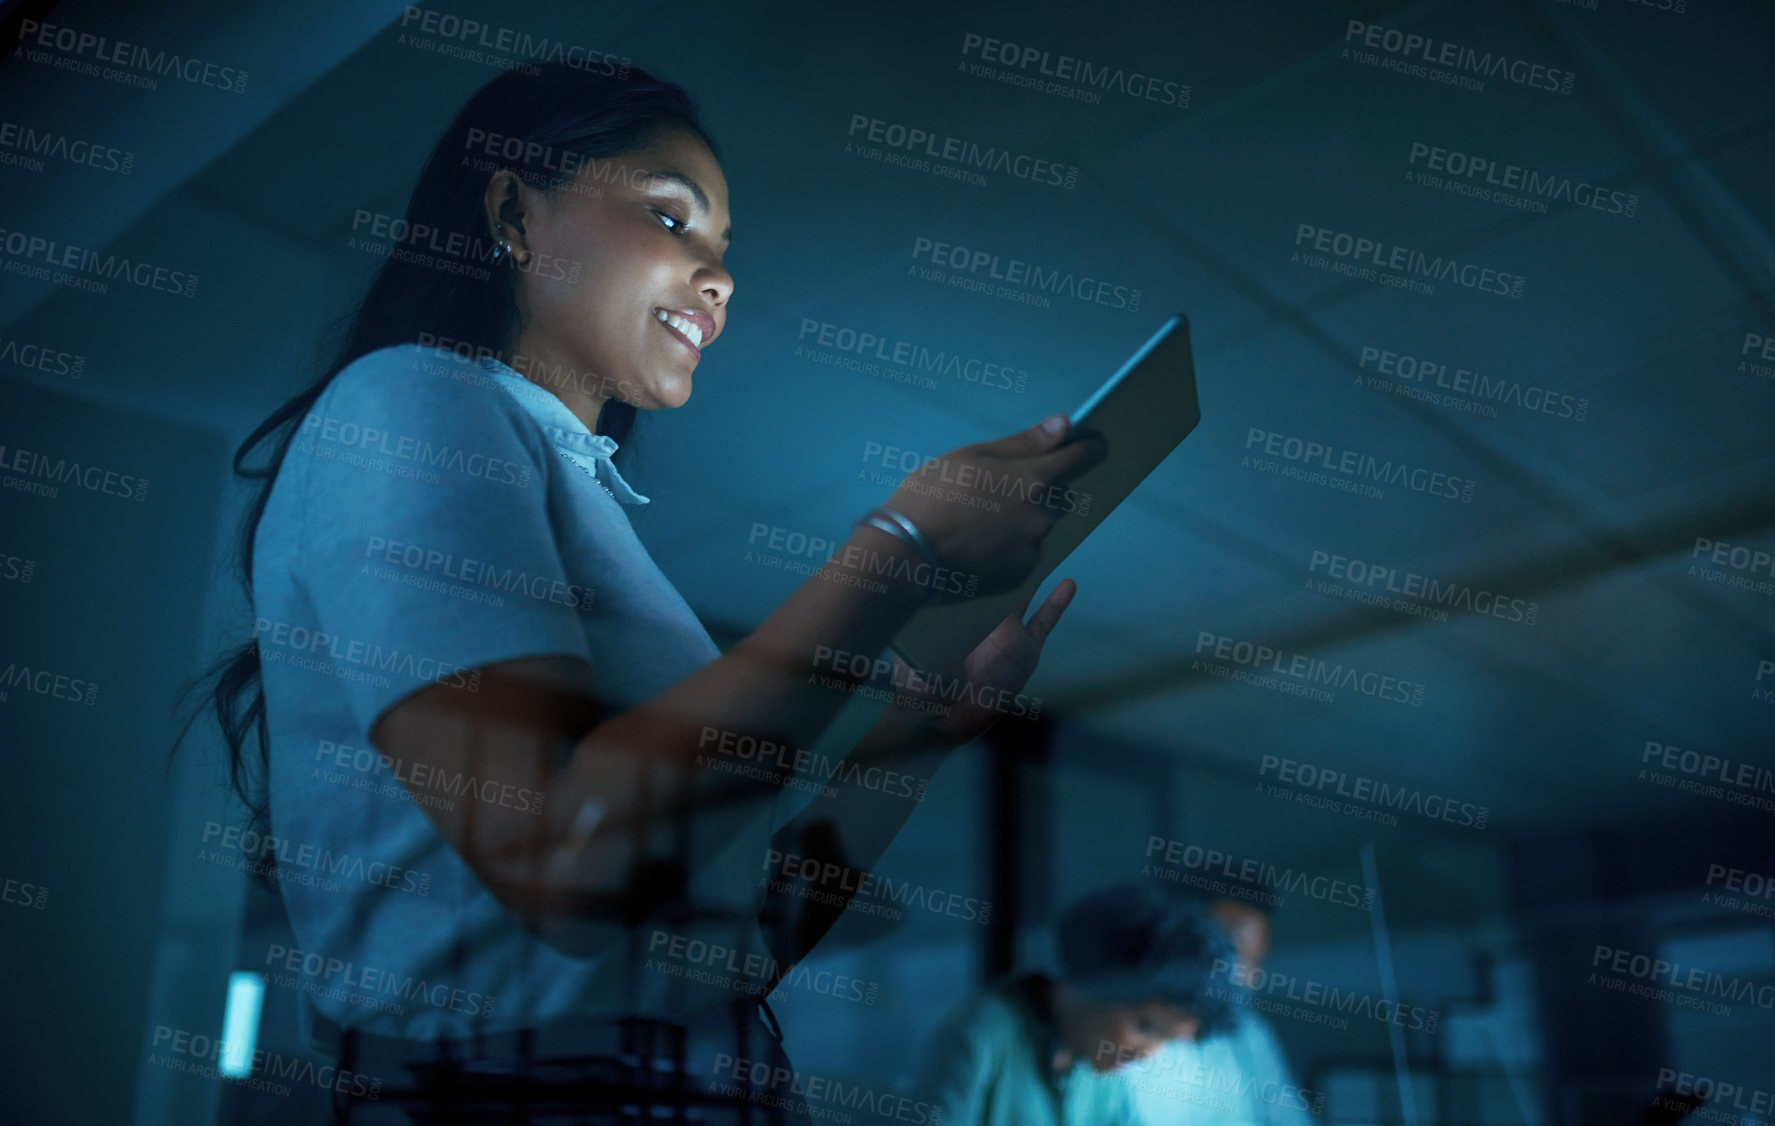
(565, 430)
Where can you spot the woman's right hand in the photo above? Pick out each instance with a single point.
(985, 508)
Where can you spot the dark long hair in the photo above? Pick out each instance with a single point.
(543, 122)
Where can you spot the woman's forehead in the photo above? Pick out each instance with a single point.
(676, 160)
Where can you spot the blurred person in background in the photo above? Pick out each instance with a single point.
(1136, 966)
(1240, 1078)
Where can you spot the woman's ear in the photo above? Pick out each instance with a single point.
(506, 204)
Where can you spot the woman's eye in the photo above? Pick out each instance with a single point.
(670, 221)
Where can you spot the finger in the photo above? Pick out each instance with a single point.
(1070, 460)
(1044, 435)
(1048, 616)
(906, 673)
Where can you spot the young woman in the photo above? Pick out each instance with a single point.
(495, 748)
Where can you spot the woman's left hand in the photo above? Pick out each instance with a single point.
(996, 670)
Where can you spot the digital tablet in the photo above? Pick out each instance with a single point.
(1144, 411)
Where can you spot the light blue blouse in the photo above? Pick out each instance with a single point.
(435, 515)
(990, 1064)
(1239, 1079)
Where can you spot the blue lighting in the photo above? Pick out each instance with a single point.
(240, 1023)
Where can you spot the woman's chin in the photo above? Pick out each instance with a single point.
(668, 394)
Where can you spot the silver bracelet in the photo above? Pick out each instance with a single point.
(898, 526)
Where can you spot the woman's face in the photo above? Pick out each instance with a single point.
(633, 237)
(1110, 1035)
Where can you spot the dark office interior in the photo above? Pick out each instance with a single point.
(1453, 620)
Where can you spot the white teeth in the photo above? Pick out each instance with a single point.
(687, 327)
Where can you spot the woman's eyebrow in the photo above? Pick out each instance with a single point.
(696, 191)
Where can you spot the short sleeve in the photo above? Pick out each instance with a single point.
(1261, 1054)
(425, 546)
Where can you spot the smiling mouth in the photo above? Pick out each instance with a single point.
(686, 330)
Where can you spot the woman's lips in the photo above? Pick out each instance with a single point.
(696, 326)
(680, 337)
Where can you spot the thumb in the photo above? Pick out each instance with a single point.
(1040, 438)
(1048, 616)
